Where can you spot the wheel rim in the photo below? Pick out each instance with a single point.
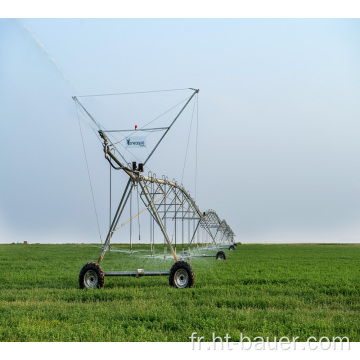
(91, 279)
(232, 248)
(181, 278)
(220, 257)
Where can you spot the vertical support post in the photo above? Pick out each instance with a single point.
(165, 223)
(150, 227)
(194, 231)
(153, 224)
(182, 223)
(189, 223)
(131, 248)
(175, 220)
(110, 201)
(156, 214)
(116, 219)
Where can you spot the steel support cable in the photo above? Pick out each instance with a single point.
(88, 171)
(151, 121)
(87, 113)
(117, 141)
(142, 128)
(136, 215)
(149, 130)
(188, 140)
(135, 92)
(82, 109)
(102, 127)
(126, 149)
(170, 126)
(85, 118)
(197, 136)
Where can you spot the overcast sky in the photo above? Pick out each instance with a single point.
(279, 111)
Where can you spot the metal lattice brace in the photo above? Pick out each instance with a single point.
(176, 198)
(220, 229)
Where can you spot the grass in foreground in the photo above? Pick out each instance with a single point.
(261, 290)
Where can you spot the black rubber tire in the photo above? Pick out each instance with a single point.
(175, 273)
(220, 255)
(98, 276)
(231, 247)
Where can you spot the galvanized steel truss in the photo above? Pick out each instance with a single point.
(165, 200)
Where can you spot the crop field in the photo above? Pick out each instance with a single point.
(260, 290)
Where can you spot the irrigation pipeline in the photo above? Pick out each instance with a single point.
(166, 188)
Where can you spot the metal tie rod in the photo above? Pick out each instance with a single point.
(137, 273)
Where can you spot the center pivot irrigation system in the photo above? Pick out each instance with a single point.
(166, 201)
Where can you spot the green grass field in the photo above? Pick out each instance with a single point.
(260, 290)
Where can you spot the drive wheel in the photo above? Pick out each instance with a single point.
(220, 255)
(231, 247)
(181, 275)
(91, 276)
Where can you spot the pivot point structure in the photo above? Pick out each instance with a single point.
(164, 200)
